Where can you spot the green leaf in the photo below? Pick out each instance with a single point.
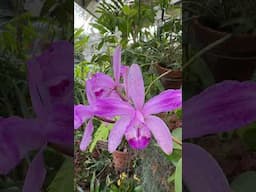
(172, 177)
(177, 133)
(101, 134)
(245, 182)
(126, 9)
(248, 135)
(175, 157)
(61, 182)
(178, 177)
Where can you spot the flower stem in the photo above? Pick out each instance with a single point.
(176, 140)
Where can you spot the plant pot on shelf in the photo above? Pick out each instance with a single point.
(121, 160)
(172, 80)
(234, 59)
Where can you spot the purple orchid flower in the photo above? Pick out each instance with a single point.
(99, 86)
(137, 120)
(51, 94)
(222, 107)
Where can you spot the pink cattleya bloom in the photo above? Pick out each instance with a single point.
(51, 94)
(198, 166)
(137, 121)
(99, 86)
(217, 110)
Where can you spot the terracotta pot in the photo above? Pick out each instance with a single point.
(172, 80)
(121, 160)
(234, 59)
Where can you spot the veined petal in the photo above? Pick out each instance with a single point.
(166, 101)
(138, 135)
(99, 86)
(161, 133)
(36, 174)
(136, 86)
(198, 166)
(87, 137)
(223, 107)
(117, 132)
(89, 91)
(17, 137)
(117, 64)
(81, 114)
(112, 107)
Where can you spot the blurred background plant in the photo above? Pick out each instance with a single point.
(26, 29)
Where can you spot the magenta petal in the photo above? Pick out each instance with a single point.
(81, 114)
(17, 137)
(136, 86)
(99, 86)
(164, 102)
(117, 64)
(117, 132)
(112, 107)
(139, 144)
(39, 94)
(223, 107)
(201, 172)
(87, 137)
(36, 174)
(138, 136)
(161, 133)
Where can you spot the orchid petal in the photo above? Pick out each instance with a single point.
(201, 172)
(81, 114)
(117, 64)
(161, 133)
(223, 107)
(36, 174)
(99, 86)
(112, 107)
(138, 135)
(166, 101)
(87, 137)
(117, 132)
(39, 95)
(136, 86)
(17, 137)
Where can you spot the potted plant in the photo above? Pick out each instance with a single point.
(169, 59)
(166, 48)
(122, 157)
(213, 20)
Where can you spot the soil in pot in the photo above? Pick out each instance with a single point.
(172, 80)
(234, 59)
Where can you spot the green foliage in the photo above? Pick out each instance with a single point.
(61, 182)
(229, 15)
(244, 182)
(177, 133)
(178, 177)
(81, 42)
(100, 134)
(128, 19)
